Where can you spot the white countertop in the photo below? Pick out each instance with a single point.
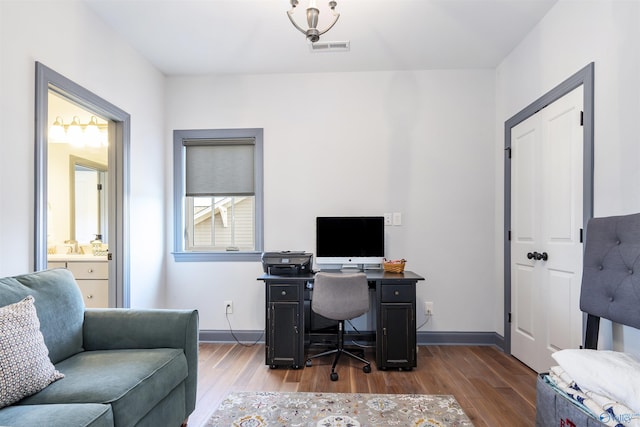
(76, 257)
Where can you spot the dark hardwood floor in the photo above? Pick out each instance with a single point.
(494, 389)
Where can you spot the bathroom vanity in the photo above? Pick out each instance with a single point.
(91, 273)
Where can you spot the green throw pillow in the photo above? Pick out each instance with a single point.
(25, 367)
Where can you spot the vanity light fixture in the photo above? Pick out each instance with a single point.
(74, 133)
(312, 33)
(57, 132)
(93, 134)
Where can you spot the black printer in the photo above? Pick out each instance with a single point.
(287, 263)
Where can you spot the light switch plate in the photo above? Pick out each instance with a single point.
(397, 218)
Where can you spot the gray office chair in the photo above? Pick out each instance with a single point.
(340, 296)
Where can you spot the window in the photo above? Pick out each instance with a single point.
(218, 195)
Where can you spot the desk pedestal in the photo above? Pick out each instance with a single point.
(396, 325)
(285, 323)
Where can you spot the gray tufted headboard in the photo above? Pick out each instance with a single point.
(611, 273)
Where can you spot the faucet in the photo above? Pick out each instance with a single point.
(74, 245)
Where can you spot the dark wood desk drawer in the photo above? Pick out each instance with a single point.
(283, 293)
(397, 293)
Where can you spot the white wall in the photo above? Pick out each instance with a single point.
(419, 143)
(67, 37)
(573, 34)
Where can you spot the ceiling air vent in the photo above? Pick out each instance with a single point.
(330, 46)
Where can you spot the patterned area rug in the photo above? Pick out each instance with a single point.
(258, 409)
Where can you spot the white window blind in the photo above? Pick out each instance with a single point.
(219, 167)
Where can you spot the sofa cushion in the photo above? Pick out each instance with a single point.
(55, 292)
(132, 381)
(63, 415)
(25, 367)
(169, 412)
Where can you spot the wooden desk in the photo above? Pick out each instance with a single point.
(395, 298)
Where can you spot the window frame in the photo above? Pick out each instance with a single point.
(179, 252)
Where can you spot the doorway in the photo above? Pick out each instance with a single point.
(583, 78)
(109, 210)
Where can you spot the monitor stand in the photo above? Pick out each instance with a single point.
(348, 267)
(360, 267)
(352, 268)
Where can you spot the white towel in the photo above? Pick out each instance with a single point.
(608, 373)
(595, 403)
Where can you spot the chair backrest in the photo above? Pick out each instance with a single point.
(340, 296)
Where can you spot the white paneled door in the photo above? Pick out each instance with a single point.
(546, 223)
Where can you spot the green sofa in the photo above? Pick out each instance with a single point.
(121, 367)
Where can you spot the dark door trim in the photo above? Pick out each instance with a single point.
(584, 77)
(47, 79)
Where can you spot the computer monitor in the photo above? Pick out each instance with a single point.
(350, 241)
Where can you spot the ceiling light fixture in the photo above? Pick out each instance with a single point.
(313, 34)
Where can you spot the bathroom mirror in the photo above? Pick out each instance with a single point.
(89, 194)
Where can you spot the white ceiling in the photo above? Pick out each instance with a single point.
(187, 37)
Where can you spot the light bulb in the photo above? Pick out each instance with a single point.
(92, 133)
(74, 133)
(56, 131)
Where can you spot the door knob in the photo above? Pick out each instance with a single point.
(541, 256)
(538, 256)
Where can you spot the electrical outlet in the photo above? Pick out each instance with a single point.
(388, 219)
(428, 308)
(228, 307)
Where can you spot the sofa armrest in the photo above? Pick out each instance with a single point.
(118, 328)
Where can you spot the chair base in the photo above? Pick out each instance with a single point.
(339, 352)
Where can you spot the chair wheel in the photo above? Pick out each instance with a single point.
(366, 369)
(334, 376)
(308, 363)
